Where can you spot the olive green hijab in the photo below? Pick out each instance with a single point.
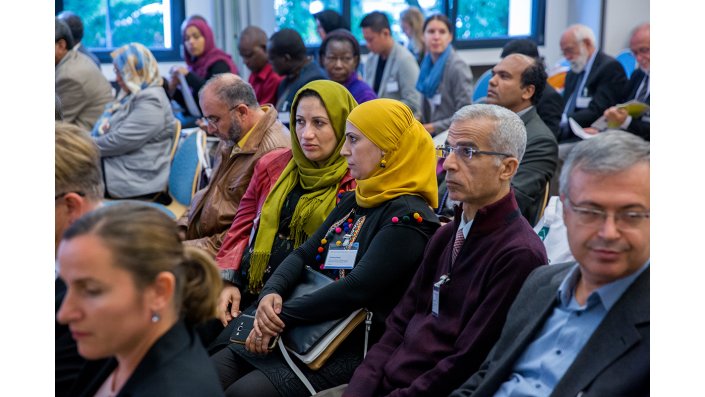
(321, 181)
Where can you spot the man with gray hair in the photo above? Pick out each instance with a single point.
(594, 82)
(472, 269)
(247, 131)
(583, 328)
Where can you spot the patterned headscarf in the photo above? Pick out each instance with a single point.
(138, 69)
(410, 159)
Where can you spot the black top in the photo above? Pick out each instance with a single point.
(388, 255)
(381, 63)
(195, 82)
(176, 365)
(67, 361)
(282, 246)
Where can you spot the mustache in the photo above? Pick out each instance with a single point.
(608, 245)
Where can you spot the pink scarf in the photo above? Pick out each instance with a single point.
(211, 54)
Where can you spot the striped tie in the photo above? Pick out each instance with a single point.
(459, 240)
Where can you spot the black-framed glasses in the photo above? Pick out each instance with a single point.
(215, 119)
(61, 195)
(623, 220)
(443, 151)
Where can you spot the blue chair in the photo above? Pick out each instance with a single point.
(626, 58)
(479, 94)
(185, 172)
(147, 203)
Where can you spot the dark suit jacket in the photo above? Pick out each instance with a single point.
(536, 167)
(550, 108)
(176, 365)
(614, 362)
(640, 126)
(605, 84)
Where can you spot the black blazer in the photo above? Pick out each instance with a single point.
(536, 167)
(176, 365)
(642, 125)
(550, 108)
(605, 84)
(614, 362)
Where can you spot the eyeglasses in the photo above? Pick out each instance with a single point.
(641, 51)
(596, 217)
(215, 119)
(443, 151)
(61, 195)
(332, 59)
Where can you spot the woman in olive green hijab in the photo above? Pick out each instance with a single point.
(271, 224)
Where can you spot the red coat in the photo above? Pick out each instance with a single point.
(267, 171)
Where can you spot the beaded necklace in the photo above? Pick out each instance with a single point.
(351, 232)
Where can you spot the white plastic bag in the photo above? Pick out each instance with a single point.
(552, 232)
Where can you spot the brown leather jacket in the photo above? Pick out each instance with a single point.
(213, 208)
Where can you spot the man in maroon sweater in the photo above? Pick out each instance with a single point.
(473, 267)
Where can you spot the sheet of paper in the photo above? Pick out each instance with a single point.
(578, 130)
(188, 97)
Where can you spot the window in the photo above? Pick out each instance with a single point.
(478, 23)
(298, 15)
(109, 24)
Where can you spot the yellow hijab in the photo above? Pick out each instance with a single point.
(410, 166)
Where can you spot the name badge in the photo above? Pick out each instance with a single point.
(436, 297)
(340, 258)
(284, 117)
(583, 102)
(392, 86)
(436, 100)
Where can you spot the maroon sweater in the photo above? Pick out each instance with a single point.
(423, 355)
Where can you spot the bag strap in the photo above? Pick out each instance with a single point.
(368, 325)
(294, 368)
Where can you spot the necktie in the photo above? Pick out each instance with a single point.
(459, 240)
(643, 90)
(570, 106)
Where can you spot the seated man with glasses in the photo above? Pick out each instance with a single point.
(247, 132)
(472, 269)
(583, 328)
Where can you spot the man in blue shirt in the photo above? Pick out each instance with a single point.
(583, 328)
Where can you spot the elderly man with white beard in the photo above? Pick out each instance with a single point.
(594, 83)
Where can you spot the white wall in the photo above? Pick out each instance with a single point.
(621, 16)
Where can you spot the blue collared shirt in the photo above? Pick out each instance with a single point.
(565, 333)
(465, 225)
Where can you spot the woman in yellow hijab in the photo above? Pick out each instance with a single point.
(370, 244)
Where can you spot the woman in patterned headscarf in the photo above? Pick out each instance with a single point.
(135, 134)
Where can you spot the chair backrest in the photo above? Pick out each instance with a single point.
(479, 93)
(185, 170)
(177, 139)
(546, 195)
(158, 206)
(626, 58)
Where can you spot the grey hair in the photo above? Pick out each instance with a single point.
(609, 152)
(510, 136)
(231, 89)
(582, 32)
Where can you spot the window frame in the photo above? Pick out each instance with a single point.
(178, 11)
(450, 7)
